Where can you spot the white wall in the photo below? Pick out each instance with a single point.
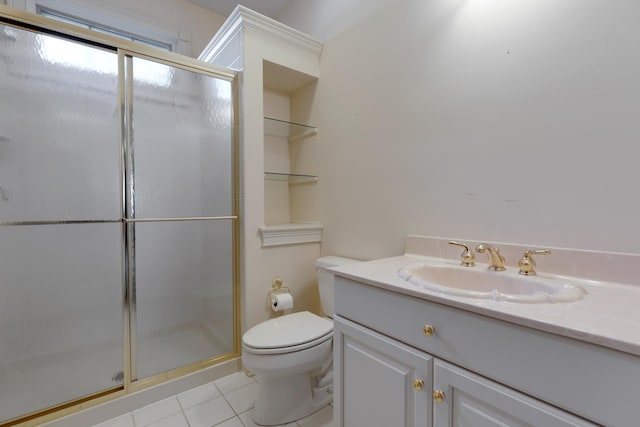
(326, 19)
(499, 120)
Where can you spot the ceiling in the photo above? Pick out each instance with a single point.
(270, 8)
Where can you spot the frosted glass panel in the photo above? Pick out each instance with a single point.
(61, 314)
(61, 285)
(182, 142)
(184, 288)
(59, 146)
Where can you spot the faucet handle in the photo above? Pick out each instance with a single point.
(468, 258)
(527, 264)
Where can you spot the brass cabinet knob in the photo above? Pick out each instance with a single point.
(429, 330)
(418, 384)
(438, 396)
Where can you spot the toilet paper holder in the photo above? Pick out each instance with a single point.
(276, 289)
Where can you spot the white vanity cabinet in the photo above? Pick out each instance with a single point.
(382, 381)
(491, 372)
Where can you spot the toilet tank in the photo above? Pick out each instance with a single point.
(326, 280)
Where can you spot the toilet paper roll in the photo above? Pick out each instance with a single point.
(281, 302)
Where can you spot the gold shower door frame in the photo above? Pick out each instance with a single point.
(126, 51)
(132, 383)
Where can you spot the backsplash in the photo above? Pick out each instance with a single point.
(590, 265)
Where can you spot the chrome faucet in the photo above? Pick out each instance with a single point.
(468, 258)
(496, 261)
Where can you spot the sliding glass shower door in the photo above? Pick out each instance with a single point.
(61, 245)
(118, 219)
(180, 208)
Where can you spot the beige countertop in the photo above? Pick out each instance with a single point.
(608, 315)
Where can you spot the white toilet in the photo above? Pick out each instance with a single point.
(292, 357)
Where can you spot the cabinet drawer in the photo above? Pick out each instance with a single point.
(594, 382)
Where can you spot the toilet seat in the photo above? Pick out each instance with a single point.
(289, 333)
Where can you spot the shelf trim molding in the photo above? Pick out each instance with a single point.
(243, 17)
(291, 234)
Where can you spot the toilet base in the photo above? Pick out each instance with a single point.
(275, 405)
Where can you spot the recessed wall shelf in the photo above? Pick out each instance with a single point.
(291, 131)
(286, 232)
(291, 177)
(291, 234)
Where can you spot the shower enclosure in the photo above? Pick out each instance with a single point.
(118, 216)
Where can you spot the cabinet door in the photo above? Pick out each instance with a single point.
(379, 382)
(474, 401)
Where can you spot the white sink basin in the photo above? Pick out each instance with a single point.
(479, 282)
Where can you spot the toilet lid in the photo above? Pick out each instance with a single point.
(287, 331)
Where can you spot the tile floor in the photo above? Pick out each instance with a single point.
(227, 402)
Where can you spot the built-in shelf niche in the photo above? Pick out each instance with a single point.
(282, 136)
